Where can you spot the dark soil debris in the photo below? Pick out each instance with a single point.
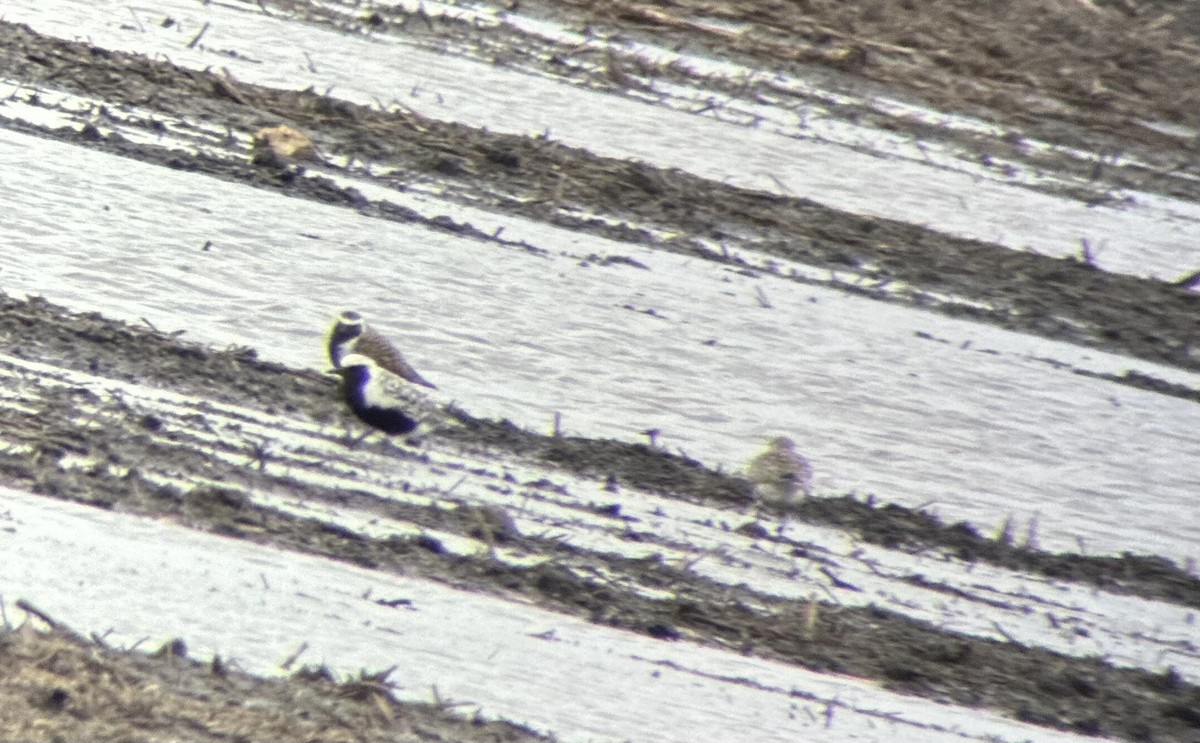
(56, 685)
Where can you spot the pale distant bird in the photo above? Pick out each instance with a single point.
(780, 472)
(281, 145)
(351, 334)
(365, 388)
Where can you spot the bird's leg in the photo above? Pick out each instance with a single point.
(783, 522)
(353, 443)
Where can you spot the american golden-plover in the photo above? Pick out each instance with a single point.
(351, 335)
(780, 472)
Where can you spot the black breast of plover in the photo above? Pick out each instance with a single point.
(352, 335)
(364, 388)
(780, 472)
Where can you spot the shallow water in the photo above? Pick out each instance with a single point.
(309, 470)
(142, 578)
(1153, 235)
(978, 435)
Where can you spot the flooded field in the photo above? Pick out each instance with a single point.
(592, 232)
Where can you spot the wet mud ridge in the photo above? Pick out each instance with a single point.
(140, 422)
(212, 116)
(163, 695)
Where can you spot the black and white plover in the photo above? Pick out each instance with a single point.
(351, 335)
(365, 390)
(780, 472)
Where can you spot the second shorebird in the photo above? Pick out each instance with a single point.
(365, 390)
(352, 335)
(780, 472)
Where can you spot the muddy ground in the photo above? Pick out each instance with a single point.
(79, 689)
(1064, 299)
(1090, 76)
(130, 450)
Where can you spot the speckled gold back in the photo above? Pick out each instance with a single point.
(372, 344)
